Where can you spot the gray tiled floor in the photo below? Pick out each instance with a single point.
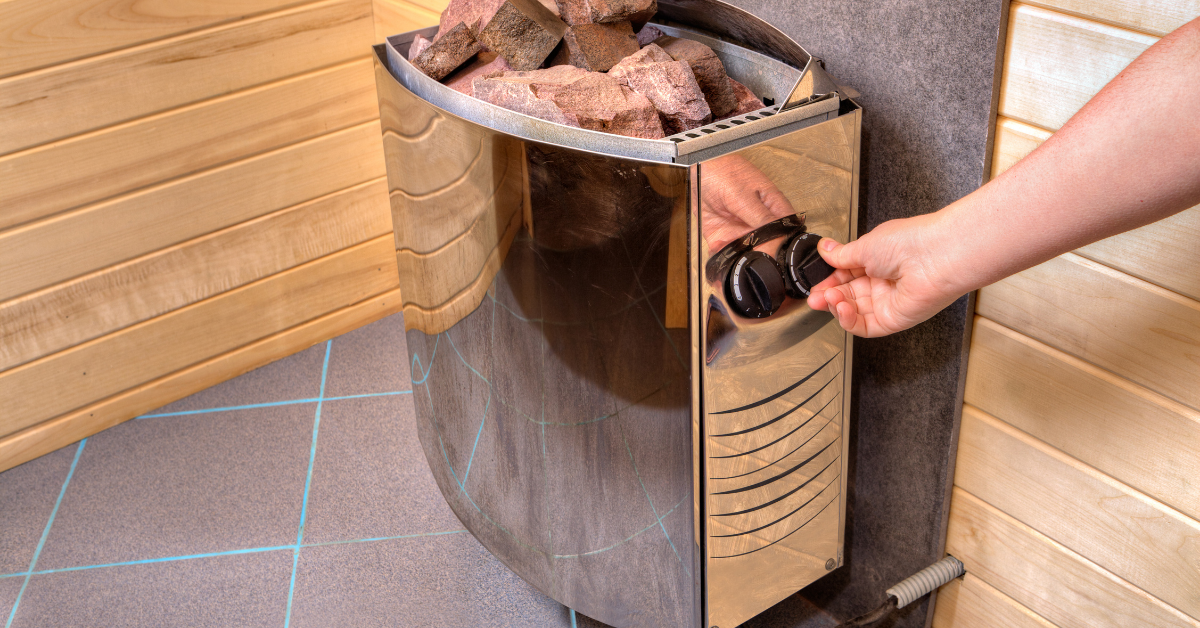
(219, 510)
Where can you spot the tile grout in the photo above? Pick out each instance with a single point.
(312, 456)
(45, 533)
(271, 404)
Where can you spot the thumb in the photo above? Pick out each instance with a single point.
(841, 255)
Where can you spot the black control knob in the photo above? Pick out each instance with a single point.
(755, 286)
(803, 266)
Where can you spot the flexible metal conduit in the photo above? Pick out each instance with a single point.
(925, 581)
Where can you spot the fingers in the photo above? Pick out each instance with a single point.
(816, 296)
(841, 255)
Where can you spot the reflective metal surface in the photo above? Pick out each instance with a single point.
(590, 406)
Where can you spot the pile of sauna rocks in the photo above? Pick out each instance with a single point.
(580, 63)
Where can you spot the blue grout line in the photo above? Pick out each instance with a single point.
(252, 550)
(271, 404)
(312, 456)
(573, 624)
(45, 533)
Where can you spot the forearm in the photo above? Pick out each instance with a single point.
(1130, 157)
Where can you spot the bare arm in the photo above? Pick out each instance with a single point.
(1130, 157)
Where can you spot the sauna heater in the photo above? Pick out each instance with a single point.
(619, 387)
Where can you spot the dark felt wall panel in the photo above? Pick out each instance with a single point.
(926, 71)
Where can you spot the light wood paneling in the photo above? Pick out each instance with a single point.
(1156, 17)
(1152, 546)
(1130, 327)
(61, 101)
(38, 33)
(1140, 438)
(35, 183)
(135, 355)
(1052, 581)
(49, 251)
(1055, 63)
(68, 428)
(67, 314)
(393, 17)
(969, 602)
(1014, 140)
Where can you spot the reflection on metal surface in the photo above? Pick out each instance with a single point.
(592, 407)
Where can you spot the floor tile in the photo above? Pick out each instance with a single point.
(437, 581)
(370, 478)
(27, 496)
(240, 590)
(370, 359)
(9, 588)
(297, 376)
(154, 488)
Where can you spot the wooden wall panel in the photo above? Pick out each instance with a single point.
(69, 313)
(1055, 63)
(1155, 17)
(1130, 327)
(1044, 576)
(1143, 541)
(393, 17)
(58, 102)
(117, 159)
(188, 190)
(39, 33)
(972, 603)
(1088, 413)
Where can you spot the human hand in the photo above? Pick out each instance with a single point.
(887, 281)
(737, 199)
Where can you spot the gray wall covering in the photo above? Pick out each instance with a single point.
(927, 72)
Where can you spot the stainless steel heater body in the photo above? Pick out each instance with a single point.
(609, 396)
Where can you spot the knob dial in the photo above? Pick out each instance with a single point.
(803, 266)
(755, 287)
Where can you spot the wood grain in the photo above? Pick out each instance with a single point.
(105, 413)
(1125, 325)
(1138, 539)
(66, 314)
(1044, 576)
(1140, 438)
(114, 160)
(438, 319)
(1014, 140)
(49, 251)
(1055, 63)
(969, 602)
(436, 6)
(38, 33)
(62, 101)
(393, 17)
(1154, 17)
(70, 379)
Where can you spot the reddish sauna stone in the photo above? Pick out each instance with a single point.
(474, 13)
(485, 63)
(524, 32)
(419, 44)
(569, 95)
(596, 47)
(606, 11)
(670, 86)
(709, 71)
(650, 54)
(446, 54)
(746, 100)
(648, 34)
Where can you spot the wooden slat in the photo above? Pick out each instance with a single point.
(1045, 577)
(1141, 438)
(135, 355)
(1128, 326)
(1155, 17)
(64, 100)
(972, 603)
(436, 6)
(393, 17)
(1055, 63)
(69, 428)
(38, 33)
(1154, 547)
(67, 245)
(37, 183)
(50, 320)
(1163, 253)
